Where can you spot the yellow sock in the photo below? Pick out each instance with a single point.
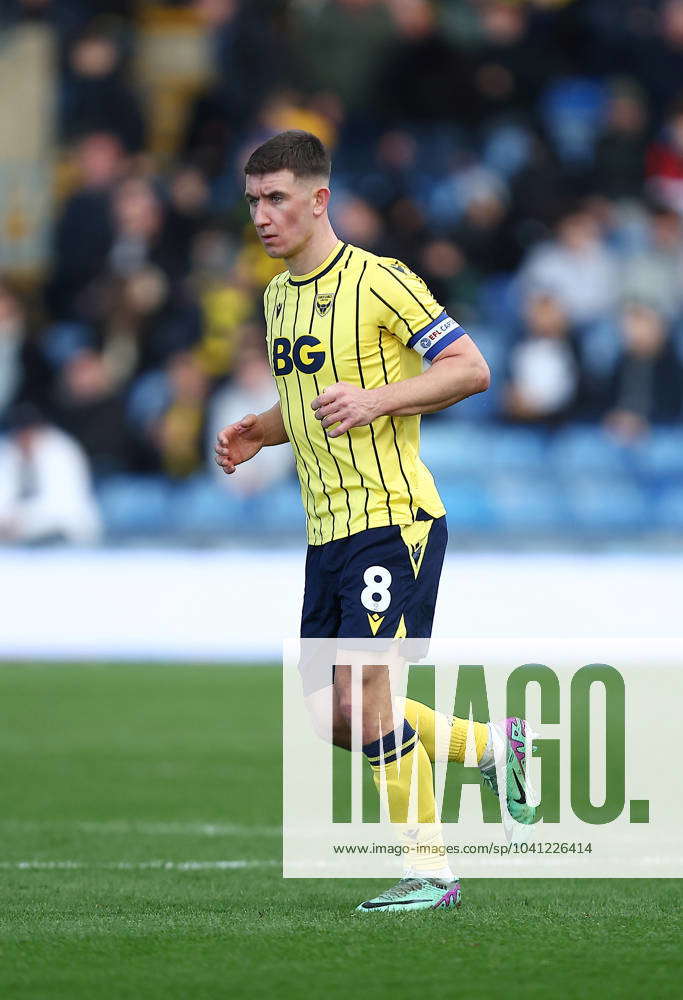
(424, 847)
(452, 731)
(398, 771)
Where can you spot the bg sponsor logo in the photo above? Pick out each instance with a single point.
(302, 354)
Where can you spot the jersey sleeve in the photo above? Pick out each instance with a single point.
(409, 310)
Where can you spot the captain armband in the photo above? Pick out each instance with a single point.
(432, 339)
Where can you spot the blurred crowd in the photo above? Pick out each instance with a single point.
(526, 158)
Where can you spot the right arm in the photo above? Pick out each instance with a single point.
(239, 442)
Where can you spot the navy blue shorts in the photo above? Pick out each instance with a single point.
(377, 584)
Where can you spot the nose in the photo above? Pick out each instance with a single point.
(261, 217)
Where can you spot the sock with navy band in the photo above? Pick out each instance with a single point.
(402, 764)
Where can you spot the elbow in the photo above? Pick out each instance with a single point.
(481, 377)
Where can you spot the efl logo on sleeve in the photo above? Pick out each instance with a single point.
(441, 332)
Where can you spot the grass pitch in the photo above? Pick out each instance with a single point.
(140, 852)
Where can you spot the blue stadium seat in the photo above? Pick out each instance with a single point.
(135, 505)
(499, 303)
(668, 509)
(451, 449)
(280, 511)
(527, 503)
(583, 448)
(572, 110)
(200, 507)
(517, 448)
(607, 503)
(660, 456)
(507, 148)
(468, 506)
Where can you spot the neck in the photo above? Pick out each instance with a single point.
(313, 253)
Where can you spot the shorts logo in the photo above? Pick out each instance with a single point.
(375, 622)
(323, 301)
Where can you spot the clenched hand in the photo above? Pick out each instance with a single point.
(345, 405)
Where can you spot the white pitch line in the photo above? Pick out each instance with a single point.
(153, 829)
(158, 865)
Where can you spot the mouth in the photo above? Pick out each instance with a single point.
(269, 238)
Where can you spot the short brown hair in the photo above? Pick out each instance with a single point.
(301, 152)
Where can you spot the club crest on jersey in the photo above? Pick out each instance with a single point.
(323, 302)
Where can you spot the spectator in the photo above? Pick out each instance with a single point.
(143, 324)
(392, 174)
(90, 406)
(187, 210)
(620, 152)
(359, 223)
(138, 238)
(221, 113)
(543, 384)
(251, 391)
(511, 64)
(226, 288)
(45, 489)
(450, 278)
(655, 57)
(647, 385)
(340, 44)
(484, 232)
(424, 78)
(84, 230)
(95, 96)
(654, 273)
(664, 166)
(539, 193)
(179, 434)
(577, 267)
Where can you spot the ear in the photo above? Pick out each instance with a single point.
(321, 199)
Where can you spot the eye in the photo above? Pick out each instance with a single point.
(276, 198)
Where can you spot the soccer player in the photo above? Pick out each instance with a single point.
(359, 349)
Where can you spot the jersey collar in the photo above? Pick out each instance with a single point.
(327, 265)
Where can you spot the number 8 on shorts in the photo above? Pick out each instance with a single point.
(376, 595)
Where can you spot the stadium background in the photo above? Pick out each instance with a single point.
(527, 160)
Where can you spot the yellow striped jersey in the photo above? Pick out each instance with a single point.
(366, 320)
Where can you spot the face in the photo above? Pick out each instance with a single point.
(137, 210)
(285, 210)
(644, 331)
(546, 317)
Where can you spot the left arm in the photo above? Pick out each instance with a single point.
(458, 371)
